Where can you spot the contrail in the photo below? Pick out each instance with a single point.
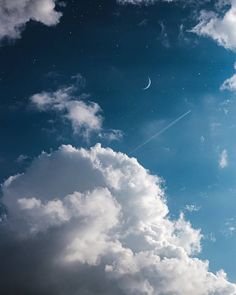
(160, 132)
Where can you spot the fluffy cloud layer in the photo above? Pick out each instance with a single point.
(96, 222)
(220, 29)
(14, 14)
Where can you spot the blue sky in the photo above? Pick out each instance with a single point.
(104, 52)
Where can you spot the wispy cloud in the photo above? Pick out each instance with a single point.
(137, 2)
(229, 228)
(230, 83)
(22, 158)
(112, 134)
(223, 159)
(192, 208)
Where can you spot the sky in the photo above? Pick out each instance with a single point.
(117, 154)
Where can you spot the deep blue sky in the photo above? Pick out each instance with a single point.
(116, 48)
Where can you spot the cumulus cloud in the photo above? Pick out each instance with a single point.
(96, 222)
(14, 14)
(84, 116)
(221, 29)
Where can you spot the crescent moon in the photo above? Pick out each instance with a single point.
(149, 84)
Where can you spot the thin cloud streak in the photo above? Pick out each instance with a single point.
(160, 132)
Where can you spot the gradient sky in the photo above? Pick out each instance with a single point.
(106, 51)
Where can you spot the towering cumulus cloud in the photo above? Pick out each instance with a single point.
(96, 222)
(14, 14)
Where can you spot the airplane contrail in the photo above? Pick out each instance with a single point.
(160, 132)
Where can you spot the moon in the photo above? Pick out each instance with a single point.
(149, 84)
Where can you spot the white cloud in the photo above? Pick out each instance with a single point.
(229, 84)
(102, 222)
(192, 208)
(111, 135)
(14, 14)
(85, 117)
(220, 29)
(229, 228)
(223, 160)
